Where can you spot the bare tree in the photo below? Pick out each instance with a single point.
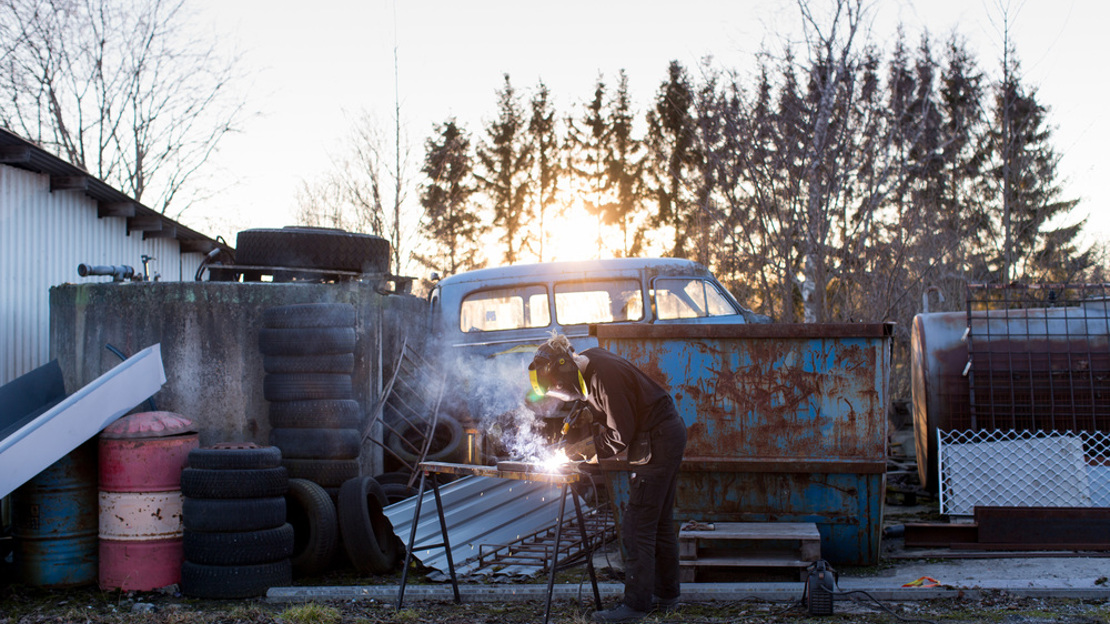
(119, 89)
(367, 190)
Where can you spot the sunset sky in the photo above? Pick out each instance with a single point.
(313, 67)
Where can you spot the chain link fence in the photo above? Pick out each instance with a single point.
(1009, 468)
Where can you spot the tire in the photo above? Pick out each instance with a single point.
(307, 341)
(307, 387)
(235, 457)
(309, 315)
(254, 483)
(245, 581)
(446, 440)
(234, 515)
(327, 414)
(313, 248)
(311, 512)
(239, 548)
(397, 492)
(392, 477)
(327, 473)
(367, 534)
(327, 363)
(317, 443)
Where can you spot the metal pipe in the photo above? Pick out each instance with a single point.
(118, 273)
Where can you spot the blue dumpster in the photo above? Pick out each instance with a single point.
(785, 423)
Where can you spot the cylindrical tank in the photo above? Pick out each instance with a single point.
(54, 522)
(141, 457)
(1010, 346)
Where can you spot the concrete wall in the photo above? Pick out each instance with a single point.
(209, 337)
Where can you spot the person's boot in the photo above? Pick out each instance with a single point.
(619, 613)
(665, 605)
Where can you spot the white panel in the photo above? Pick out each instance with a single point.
(43, 237)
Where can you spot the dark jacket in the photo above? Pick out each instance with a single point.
(629, 401)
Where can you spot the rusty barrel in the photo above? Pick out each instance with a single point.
(141, 457)
(54, 523)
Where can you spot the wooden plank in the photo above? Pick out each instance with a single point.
(115, 209)
(144, 223)
(164, 232)
(757, 530)
(69, 183)
(762, 560)
(15, 154)
(1039, 526)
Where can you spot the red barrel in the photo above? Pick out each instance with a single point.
(141, 458)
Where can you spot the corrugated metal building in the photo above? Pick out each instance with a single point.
(55, 216)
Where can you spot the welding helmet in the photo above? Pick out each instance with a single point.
(554, 373)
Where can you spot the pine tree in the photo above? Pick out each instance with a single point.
(1022, 181)
(548, 161)
(589, 137)
(670, 143)
(505, 160)
(624, 171)
(453, 226)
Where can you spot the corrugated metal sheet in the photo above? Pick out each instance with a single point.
(479, 511)
(44, 235)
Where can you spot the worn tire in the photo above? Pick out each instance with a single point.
(327, 363)
(238, 547)
(328, 473)
(367, 534)
(307, 387)
(312, 248)
(317, 443)
(252, 483)
(238, 581)
(397, 492)
(311, 512)
(232, 514)
(307, 341)
(235, 457)
(325, 414)
(447, 439)
(309, 315)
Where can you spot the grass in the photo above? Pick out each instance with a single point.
(310, 613)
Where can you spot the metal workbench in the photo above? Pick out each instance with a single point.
(567, 480)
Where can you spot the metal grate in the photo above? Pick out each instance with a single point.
(1010, 468)
(535, 549)
(1038, 357)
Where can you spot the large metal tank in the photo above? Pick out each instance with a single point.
(140, 459)
(54, 522)
(785, 423)
(1032, 368)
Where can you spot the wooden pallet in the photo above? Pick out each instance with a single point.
(748, 545)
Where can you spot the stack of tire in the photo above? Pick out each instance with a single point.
(308, 355)
(236, 542)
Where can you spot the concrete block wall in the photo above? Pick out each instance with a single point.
(209, 337)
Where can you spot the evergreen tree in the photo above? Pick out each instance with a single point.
(624, 172)
(589, 138)
(1022, 181)
(449, 219)
(548, 160)
(670, 143)
(505, 161)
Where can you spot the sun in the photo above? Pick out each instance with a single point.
(573, 235)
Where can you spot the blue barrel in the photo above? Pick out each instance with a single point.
(54, 522)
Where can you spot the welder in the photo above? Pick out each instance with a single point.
(638, 417)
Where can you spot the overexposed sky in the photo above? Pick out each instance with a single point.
(313, 67)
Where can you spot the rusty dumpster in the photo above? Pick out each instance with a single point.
(785, 423)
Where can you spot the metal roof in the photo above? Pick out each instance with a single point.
(20, 153)
(479, 511)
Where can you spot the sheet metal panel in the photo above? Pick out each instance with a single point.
(784, 423)
(44, 235)
(478, 510)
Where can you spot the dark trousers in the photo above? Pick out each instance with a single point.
(650, 540)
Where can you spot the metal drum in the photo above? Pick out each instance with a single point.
(54, 523)
(141, 458)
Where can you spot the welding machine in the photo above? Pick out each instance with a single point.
(820, 587)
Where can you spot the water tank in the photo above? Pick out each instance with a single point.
(141, 457)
